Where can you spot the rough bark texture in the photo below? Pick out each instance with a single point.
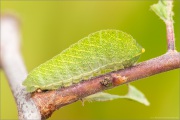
(49, 101)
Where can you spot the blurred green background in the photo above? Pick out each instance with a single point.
(48, 27)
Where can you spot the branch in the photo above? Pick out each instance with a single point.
(50, 101)
(13, 66)
(170, 26)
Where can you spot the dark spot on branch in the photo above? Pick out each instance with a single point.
(107, 82)
(49, 101)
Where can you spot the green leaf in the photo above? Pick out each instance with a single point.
(161, 9)
(133, 94)
(136, 95)
(98, 53)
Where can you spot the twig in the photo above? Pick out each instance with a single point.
(14, 68)
(49, 101)
(170, 26)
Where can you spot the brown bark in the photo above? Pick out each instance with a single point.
(49, 101)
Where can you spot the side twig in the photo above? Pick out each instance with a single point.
(49, 101)
(13, 66)
(170, 26)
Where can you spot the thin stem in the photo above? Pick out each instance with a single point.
(13, 66)
(170, 26)
(51, 100)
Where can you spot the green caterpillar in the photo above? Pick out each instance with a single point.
(98, 53)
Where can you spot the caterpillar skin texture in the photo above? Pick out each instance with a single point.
(100, 52)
